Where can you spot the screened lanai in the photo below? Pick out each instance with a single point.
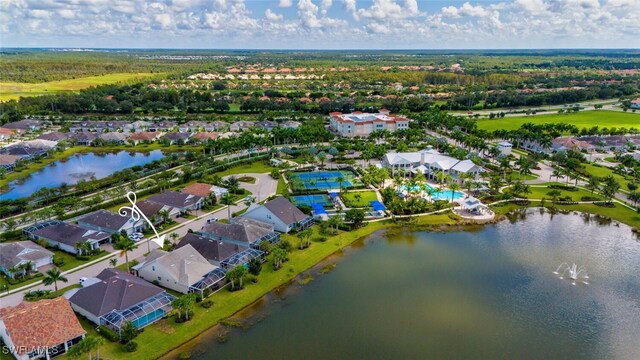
(212, 281)
(242, 258)
(141, 314)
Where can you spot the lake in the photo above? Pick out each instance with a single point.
(76, 167)
(485, 294)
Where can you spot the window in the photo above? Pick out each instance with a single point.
(159, 278)
(269, 217)
(153, 268)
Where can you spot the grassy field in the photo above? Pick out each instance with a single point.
(351, 200)
(14, 90)
(583, 119)
(601, 171)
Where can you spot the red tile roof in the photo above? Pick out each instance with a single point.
(144, 136)
(199, 189)
(41, 323)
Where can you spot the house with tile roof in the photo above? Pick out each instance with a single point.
(281, 214)
(183, 270)
(110, 222)
(223, 254)
(177, 137)
(177, 203)
(24, 126)
(41, 329)
(8, 162)
(6, 134)
(204, 190)
(363, 124)
(143, 137)
(13, 255)
(119, 297)
(66, 236)
(241, 231)
(53, 136)
(635, 103)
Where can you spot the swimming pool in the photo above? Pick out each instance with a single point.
(437, 194)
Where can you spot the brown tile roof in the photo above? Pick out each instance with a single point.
(8, 159)
(205, 135)
(13, 253)
(53, 136)
(144, 135)
(4, 131)
(199, 189)
(41, 323)
(175, 199)
(209, 248)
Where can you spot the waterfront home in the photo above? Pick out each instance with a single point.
(281, 214)
(143, 137)
(24, 126)
(110, 222)
(204, 190)
(177, 138)
(119, 297)
(635, 103)
(204, 136)
(14, 257)
(67, 236)
(363, 124)
(114, 137)
(614, 142)
(219, 253)
(177, 203)
(28, 150)
(430, 163)
(243, 232)
(6, 134)
(8, 162)
(41, 329)
(84, 138)
(241, 125)
(183, 270)
(56, 136)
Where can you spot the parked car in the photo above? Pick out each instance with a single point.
(212, 219)
(248, 198)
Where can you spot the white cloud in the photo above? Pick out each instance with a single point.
(285, 3)
(271, 16)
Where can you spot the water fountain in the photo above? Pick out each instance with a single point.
(575, 273)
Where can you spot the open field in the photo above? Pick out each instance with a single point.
(585, 119)
(359, 199)
(14, 90)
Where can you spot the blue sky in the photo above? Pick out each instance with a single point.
(320, 24)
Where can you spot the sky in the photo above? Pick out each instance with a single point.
(320, 24)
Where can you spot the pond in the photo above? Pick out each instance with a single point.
(74, 168)
(486, 294)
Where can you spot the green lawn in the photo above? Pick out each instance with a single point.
(256, 167)
(540, 191)
(583, 119)
(14, 90)
(282, 187)
(601, 171)
(359, 199)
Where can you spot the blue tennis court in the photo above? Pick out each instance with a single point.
(323, 180)
(309, 200)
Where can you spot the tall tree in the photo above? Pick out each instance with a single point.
(52, 276)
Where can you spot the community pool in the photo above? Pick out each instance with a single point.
(437, 194)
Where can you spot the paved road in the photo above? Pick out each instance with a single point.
(264, 185)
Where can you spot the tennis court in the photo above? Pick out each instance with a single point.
(323, 180)
(309, 200)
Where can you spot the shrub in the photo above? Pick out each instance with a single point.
(285, 245)
(58, 261)
(206, 304)
(108, 333)
(128, 332)
(131, 346)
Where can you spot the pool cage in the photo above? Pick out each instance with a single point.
(272, 238)
(141, 314)
(213, 281)
(243, 258)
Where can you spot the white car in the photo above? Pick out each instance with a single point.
(212, 219)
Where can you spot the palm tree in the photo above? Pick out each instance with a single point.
(453, 187)
(340, 180)
(113, 262)
(125, 245)
(52, 276)
(227, 200)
